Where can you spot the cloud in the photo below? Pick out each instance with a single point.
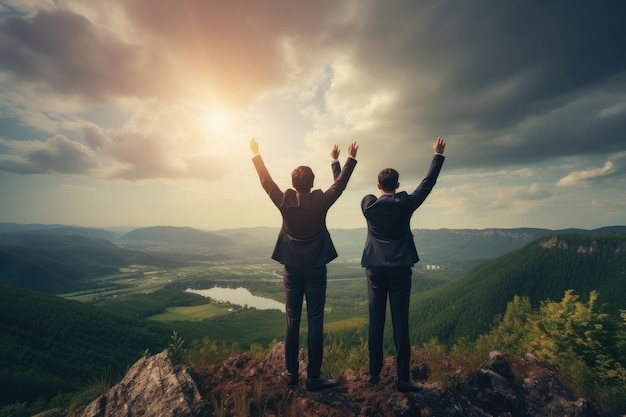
(506, 84)
(70, 55)
(160, 142)
(611, 168)
(55, 155)
(166, 142)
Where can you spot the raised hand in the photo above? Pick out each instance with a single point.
(335, 152)
(439, 145)
(254, 147)
(352, 149)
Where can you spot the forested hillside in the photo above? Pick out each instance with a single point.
(541, 270)
(59, 264)
(49, 345)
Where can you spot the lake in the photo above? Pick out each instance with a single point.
(240, 296)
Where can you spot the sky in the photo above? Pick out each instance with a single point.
(138, 113)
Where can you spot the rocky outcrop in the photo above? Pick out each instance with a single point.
(153, 386)
(244, 386)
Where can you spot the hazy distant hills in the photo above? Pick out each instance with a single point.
(446, 247)
(543, 269)
(171, 235)
(54, 230)
(62, 263)
(57, 258)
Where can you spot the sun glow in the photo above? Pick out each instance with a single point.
(218, 121)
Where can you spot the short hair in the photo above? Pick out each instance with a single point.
(302, 179)
(388, 179)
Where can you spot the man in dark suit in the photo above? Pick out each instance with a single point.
(388, 257)
(304, 248)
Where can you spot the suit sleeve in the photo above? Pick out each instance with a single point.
(336, 167)
(268, 184)
(418, 196)
(341, 182)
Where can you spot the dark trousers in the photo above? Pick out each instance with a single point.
(300, 283)
(395, 283)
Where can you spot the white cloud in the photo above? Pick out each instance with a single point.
(161, 141)
(616, 165)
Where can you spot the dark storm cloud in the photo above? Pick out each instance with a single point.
(512, 82)
(68, 54)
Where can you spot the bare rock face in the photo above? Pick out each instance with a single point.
(245, 386)
(153, 386)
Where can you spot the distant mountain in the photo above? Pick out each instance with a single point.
(176, 235)
(446, 247)
(250, 235)
(66, 263)
(56, 230)
(43, 239)
(543, 269)
(457, 247)
(451, 247)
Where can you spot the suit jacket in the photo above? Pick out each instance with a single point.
(304, 240)
(389, 241)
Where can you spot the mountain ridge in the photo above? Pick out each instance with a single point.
(472, 300)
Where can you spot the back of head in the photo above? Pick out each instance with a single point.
(302, 179)
(388, 179)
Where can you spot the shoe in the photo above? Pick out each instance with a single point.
(373, 379)
(289, 378)
(408, 386)
(321, 382)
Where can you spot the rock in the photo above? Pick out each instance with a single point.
(153, 386)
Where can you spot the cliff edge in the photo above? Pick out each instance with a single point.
(241, 385)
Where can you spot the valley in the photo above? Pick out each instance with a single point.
(77, 303)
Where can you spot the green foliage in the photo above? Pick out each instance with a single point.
(345, 350)
(509, 333)
(94, 388)
(584, 342)
(176, 348)
(206, 351)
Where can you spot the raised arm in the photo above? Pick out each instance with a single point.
(422, 191)
(341, 180)
(335, 166)
(268, 184)
(334, 154)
